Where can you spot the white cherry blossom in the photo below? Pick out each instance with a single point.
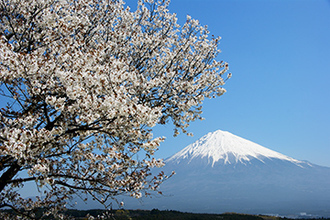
(84, 83)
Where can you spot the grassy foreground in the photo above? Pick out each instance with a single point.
(122, 214)
(176, 215)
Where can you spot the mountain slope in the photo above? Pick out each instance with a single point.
(222, 172)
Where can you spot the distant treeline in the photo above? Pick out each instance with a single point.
(122, 214)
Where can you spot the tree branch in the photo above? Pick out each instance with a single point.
(9, 174)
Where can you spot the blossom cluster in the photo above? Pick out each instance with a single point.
(86, 82)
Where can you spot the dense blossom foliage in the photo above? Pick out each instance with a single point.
(84, 83)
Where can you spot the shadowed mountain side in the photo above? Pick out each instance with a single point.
(222, 172)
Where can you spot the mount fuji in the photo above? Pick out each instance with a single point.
(222, 172)
(224, 148)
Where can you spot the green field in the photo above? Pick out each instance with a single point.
(123, 214)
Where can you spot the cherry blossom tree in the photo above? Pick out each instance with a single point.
(83, 83)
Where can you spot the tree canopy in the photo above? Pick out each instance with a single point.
(83, 83)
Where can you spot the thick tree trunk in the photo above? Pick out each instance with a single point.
(8, 175)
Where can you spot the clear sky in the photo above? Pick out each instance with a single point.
(279, 95)
(279, 54)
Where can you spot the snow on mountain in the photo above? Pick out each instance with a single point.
(229, 148)
(222, 172)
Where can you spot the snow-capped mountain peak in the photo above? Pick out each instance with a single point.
(224, 173)
(222, 145)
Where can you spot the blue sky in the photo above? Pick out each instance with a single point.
(279, 54)
(279, 95)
